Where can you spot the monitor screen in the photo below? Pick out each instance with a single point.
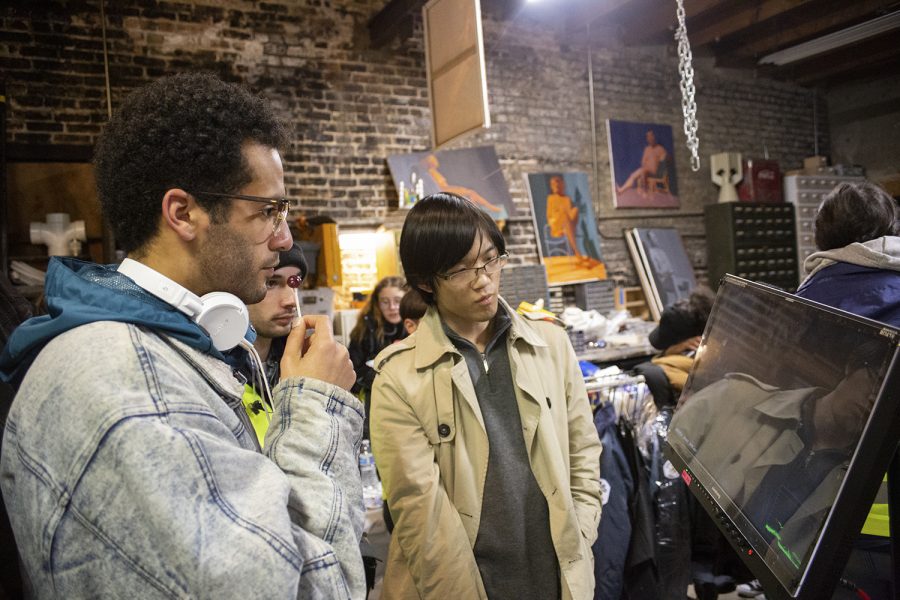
(785, 429)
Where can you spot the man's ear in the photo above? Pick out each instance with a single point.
(425, 288)
(410, 325)
(181, 214)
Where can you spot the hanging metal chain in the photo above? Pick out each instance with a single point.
(688, 105)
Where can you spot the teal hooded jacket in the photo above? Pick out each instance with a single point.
(78, 293)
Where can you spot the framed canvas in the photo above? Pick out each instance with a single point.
(471, 172)
(662, 265)
(454, 59)
(642, 165)
(565, 226)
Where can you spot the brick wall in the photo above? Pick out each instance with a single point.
(353, 106)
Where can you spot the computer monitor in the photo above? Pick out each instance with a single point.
(785, 429)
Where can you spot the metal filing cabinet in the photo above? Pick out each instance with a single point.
(752, 240)
(806, 192)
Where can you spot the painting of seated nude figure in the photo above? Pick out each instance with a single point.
(473, 173)
(643, 165)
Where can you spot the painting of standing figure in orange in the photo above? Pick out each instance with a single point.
(470, 172)
(564, 222)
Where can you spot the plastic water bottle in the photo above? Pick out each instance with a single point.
(369, 477)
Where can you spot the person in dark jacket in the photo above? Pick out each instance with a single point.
(857, 267)
(379, 325)
(677, 337)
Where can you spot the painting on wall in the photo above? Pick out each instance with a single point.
(471, 172)
(642, 165)
(566, 229)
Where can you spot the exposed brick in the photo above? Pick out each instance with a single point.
(43, 126)
(352, 107)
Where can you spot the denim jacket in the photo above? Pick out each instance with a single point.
(129, 472)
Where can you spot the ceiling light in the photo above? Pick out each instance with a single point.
(834, 40)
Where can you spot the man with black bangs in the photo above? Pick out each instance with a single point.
(482, 429)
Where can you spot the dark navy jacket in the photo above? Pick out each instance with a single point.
(864, 291)
(611, 548)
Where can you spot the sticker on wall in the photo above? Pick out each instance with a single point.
(471, 172)
(565, 226)
(642, 165)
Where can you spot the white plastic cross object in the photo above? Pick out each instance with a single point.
(61, 235)
(726, 171)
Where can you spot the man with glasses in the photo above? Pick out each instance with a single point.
(130, 469)
(482, 430)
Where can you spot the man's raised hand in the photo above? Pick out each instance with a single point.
(319, 356)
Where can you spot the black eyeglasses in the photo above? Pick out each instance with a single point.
(277, 213)
(490, 267)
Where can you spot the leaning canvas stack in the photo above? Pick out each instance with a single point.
(662, 266)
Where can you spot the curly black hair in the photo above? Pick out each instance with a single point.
(183, 131)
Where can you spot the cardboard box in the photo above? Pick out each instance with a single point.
(811, 164)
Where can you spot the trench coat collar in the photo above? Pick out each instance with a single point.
(781, 404)
(432, 343)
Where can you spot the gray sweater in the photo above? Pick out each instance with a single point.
(513, 549)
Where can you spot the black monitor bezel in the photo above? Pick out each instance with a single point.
(876, 448)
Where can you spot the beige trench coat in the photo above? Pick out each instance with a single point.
(431, 449)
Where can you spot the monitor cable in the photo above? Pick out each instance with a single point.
(847, 584)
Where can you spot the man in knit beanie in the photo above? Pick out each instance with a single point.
(272, 318)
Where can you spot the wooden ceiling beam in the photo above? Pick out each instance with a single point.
(848, 67)
(743, 18)
(866, 72)
(760, 42)
(841, 62)
(657, 22)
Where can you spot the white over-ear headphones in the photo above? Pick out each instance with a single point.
(222, 315)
